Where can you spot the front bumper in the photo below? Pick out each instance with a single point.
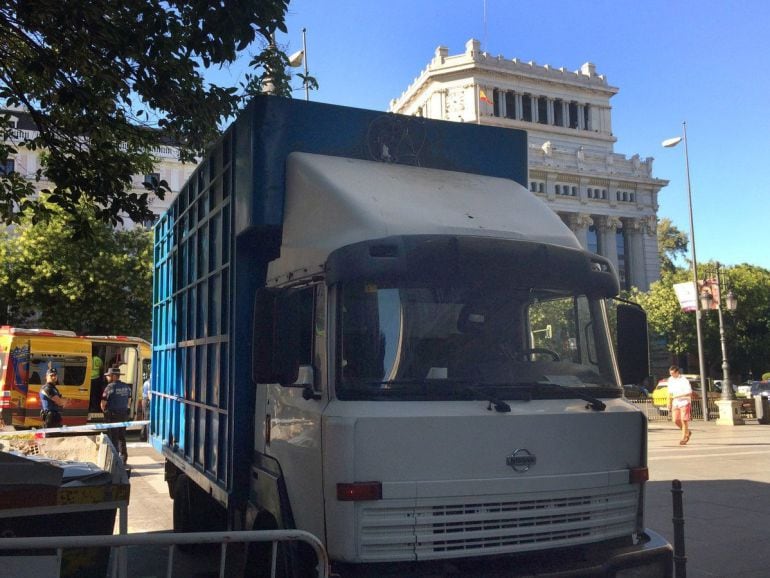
(651, 557)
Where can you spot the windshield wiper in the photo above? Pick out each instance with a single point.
(499, 404)
(593, 402)
(475, 390)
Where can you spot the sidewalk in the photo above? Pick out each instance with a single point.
(725, 475)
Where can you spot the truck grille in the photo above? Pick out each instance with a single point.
(431, 529)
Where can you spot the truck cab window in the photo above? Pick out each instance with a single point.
(423, 341)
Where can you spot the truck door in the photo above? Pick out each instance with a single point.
(294, 409)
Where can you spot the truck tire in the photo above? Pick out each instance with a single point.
(194, 510)
(295, 560)
(182, 504)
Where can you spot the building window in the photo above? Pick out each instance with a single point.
(593, 243)
(150, 223)
(526, 113)
(533, 186)
(566, 191)
(537, 186)
(542, 110)
(152, 179)
(541, 187)
(510, 104)
(620, 240)
(587, 116)
(495, 102)
(573, 115)
(7, 167)
(558, 112)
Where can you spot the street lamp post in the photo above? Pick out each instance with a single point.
(672, 142)
(729, 407)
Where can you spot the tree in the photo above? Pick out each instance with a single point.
(672, 244)
(747, 330)
(53, 278)
(106, 82)
(664, 314)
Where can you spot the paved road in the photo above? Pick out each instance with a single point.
(725, 472)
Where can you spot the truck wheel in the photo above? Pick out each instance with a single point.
(182, 507)
(294, 560)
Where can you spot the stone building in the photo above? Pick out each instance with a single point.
(608, 200)
(26, 162)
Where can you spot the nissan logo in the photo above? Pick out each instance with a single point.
(521, 460)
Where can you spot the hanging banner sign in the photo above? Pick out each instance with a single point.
(685, 293)
(711, 287)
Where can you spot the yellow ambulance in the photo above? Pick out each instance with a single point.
(25, 356)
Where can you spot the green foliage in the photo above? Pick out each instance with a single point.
(106, 82)
(747, 330)
(672, 244)
(664, 315)
(765, 376)
(53, 278)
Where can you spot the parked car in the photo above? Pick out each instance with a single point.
(744, 389)
(631, 391)
(760, 388)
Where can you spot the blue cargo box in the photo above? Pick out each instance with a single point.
(213, 245)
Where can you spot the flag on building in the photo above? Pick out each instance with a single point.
(483, 96)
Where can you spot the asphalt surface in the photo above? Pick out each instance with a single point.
(724, 470)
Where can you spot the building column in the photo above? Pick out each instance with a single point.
(635, 257)
(549, 111)
(535, 109)
(581, 117)
(519, 107)
(607, 228)
(579, 223)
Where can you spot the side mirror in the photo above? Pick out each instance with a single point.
(263, 337)
(305, 380)
(632, 343)
(305, 376)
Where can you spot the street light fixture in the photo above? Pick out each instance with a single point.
(729, 412)
(669, 143)
(732, 303)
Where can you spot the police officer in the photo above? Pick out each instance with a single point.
(146, 397)
(51, 400)
(115, 403)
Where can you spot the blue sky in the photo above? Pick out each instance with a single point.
(704, 62)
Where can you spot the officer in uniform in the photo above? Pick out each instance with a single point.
(51, 400)
(115, 403)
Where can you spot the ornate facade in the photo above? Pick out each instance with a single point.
(608, 200)
(27, 162)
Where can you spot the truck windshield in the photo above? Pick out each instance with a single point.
(442, 342)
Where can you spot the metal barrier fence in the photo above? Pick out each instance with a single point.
(658, 413)
(118, 543)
